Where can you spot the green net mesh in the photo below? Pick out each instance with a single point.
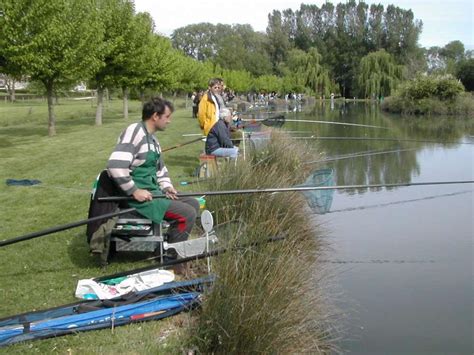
(320, 200)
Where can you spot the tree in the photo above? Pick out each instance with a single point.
(401, 33)
(197, 40)
(465, 72)
(267, 83)
(163, 66)
(378, 74)
(452, 53)
(453, 50)
(132, 65)
(53, 41)
(316, 76)
(117, 21)
(278, 33)
(193, 75)
(343, 34)
(304, 70)
(236, 47)
(238, 80)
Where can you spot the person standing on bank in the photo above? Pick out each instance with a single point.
(136, 166)
(218, 140)
(209, 106)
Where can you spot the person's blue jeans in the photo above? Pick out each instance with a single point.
(226, 152)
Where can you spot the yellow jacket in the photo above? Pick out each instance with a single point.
(206, 113)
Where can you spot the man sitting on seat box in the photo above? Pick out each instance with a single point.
(136, 166)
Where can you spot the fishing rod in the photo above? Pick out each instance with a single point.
(291, 189)
(350, 209)
(182, 144)
(373, 139)
(193, 134)
(62, 227)
(361, 154)
(216, 193)
(324, 122)
(256, 112)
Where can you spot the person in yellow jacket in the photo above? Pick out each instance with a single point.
(209, 106)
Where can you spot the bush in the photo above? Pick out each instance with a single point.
(443, 87)
(465, 73)
(464, 105)
(427, 95)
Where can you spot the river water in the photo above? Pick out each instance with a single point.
(402, 257)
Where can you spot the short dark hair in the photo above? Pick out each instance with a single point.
(213, 82)
(156, 104)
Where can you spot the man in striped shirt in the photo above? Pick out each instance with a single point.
(136, 166)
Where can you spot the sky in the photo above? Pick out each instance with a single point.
(443, 21)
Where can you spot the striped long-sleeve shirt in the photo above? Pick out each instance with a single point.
(129, 153)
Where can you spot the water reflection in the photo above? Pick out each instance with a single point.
(403, 256)
(390, 160)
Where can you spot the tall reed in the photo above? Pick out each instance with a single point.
(268, 297)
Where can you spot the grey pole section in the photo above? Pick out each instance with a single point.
(296, 188)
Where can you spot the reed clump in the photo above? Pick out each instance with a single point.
(268, 296)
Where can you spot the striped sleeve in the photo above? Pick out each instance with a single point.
(124, 155)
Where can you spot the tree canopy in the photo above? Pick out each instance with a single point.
(56, 42)
(378, 74)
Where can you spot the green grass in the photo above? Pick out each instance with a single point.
(43, 272)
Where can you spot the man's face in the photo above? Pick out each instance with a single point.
(215, 89)
(228, 118)
(161, 121)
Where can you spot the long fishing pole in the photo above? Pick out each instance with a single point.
(292, 189)
(62, 227)
(324, 122)
(373, 139)
(261, 113)
(361, 154)
(217, 193)
(182, 144)
(193, 134)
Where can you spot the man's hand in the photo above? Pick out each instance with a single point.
(171, 193)
(142, 195)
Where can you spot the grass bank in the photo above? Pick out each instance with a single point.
(268, 297)
(277, 279)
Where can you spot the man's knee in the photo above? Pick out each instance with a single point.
(191, 204)
(194, 204)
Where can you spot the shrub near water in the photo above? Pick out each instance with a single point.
(430, 94)
(267, 297)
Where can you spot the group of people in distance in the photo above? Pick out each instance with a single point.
(136, 165)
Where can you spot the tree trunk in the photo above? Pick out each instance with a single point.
(12, 92)
(10, 84)
(100, 106)
(51, 117)
(125, 103)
